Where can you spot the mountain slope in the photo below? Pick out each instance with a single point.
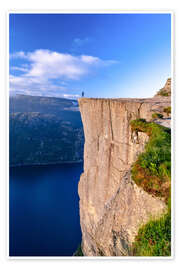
(44, 131)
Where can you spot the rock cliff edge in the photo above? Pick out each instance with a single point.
(112, 206)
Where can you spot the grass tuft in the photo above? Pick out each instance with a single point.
(154, 238)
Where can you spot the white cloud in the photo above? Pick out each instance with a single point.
(22, 83)
(79, 42)
(45, 63)
(44, 70)
(23, 69)
(90, 59)
(20, 54)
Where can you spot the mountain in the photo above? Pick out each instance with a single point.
(44, 130)
(65, 109)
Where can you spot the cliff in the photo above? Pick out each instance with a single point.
(112, 206)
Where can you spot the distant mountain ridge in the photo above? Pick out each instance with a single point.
(45, 130)
(33, 101)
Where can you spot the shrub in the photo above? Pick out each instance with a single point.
(167, 110)
(157, 115)
(162, 92)
(78, 252)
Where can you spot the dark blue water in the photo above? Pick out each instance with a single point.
(44, 210)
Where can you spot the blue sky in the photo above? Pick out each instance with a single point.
(104, 55)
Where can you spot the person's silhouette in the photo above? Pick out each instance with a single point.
(82, 93)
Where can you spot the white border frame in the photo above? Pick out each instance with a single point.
(91, 11)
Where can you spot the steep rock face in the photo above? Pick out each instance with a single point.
(167, 86)
(112, 206)
(166, 90)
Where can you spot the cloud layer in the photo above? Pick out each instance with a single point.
(45, 70)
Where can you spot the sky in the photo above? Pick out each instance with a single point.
(104, 55)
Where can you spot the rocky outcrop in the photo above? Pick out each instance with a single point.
(112, 206)
(166, 90)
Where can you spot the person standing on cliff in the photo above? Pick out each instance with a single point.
(82, 93)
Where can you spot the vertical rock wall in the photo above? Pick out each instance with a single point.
(112, 206)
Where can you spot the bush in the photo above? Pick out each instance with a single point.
(157, 115)
(167, 110)
(78, 252)
(162, 92)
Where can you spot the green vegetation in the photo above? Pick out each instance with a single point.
(167, 110)
(163, 92)
(78, 252)
(152, 171)
(157, 115)
(154, 238)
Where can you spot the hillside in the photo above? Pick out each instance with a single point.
(44, 131)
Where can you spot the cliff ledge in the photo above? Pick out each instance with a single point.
(112, 206)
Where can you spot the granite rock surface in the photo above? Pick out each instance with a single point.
(112, 206)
